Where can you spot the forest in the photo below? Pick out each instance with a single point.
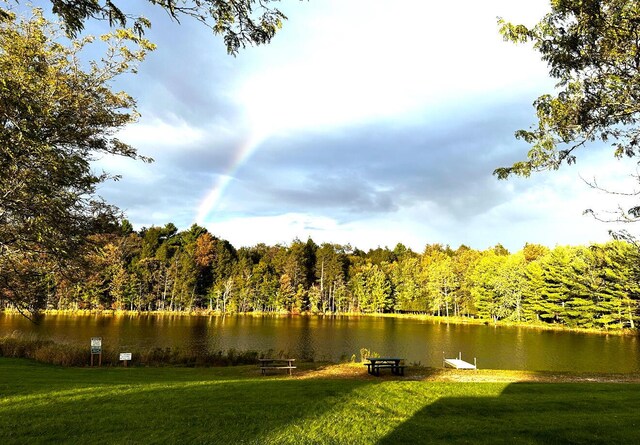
(164, 269)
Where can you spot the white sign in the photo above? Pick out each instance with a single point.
(96, 345)
(125, 356)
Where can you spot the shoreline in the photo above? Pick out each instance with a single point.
(357, 371)
(431, 374)
(410, 316)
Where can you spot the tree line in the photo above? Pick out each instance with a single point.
(163, 269)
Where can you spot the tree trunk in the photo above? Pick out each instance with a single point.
(164, 292)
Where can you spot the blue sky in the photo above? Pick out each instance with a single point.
(364, 122)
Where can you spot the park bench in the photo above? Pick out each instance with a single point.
(276, 364)
(377, 363)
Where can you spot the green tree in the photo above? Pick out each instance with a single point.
(508, 286)
(616, 292)
(55, 118)
(243, 274)
(405, 278)
(442, 282)
(299, 263)
(240, 22)
(436, 276)
(188, 287)
(265, 277)
(165, 254)
(592, 49)
(562, 275)
(533, 302)
(379, 255)
(286, 297)
(498, 283)
(371, 288)
(464, 260)
(482, 284)
(330, 269)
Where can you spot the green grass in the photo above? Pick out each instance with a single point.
(49, 404)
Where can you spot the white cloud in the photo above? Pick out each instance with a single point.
(154, 132)
(369, 60)
(548, 208)
(134, 171)
(364, 234)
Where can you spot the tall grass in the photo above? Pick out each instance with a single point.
(20, 345)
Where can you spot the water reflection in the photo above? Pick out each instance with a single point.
(197, 342)
(305, 340)
(333, 338)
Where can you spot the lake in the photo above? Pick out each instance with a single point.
(339, 337)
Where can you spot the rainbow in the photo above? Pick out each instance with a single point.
(242, 155)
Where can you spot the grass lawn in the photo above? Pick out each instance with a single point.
(43, 403)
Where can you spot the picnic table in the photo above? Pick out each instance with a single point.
(276, 363)
(375, 363)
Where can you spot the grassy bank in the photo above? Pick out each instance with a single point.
(43, 403)
(19, 345)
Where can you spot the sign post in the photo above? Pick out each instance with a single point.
(125, 357)
(96, 349)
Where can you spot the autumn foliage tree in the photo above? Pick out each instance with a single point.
(56, 116)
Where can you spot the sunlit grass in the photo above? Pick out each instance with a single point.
(44, 403)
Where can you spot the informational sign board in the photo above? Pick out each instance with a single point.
(96, 345)
(125, 356)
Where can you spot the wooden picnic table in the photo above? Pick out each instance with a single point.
(375, 363)
(276, 363)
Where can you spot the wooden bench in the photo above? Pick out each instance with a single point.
(276, 364)
(377, 363)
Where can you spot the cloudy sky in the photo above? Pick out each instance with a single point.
(366, 122)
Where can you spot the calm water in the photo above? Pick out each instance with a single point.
(334, 338)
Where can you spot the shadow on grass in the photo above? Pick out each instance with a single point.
(164, 407)
(529, 413)
(40, 403)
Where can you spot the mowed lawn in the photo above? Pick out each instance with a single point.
(47, 404)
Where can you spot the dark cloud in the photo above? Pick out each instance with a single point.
(382, 167)
(173, 185)
(207, 157)
(165, 199)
